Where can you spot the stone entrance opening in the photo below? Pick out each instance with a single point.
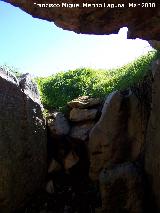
(100, 158)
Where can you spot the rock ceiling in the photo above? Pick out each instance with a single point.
(98, 17)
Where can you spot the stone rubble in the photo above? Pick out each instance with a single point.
(58, 124)
(84, 102)
(77, 115)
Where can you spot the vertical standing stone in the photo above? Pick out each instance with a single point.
(152, 149)
(22, 147)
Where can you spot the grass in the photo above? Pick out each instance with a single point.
(58, 89)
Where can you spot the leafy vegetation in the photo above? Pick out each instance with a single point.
(62, 87)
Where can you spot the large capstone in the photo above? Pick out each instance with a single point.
(96, 17)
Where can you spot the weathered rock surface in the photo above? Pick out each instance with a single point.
(119, 134)
(58, 124)
(54, 166)
(84, 102)
(6, 74)
(136, 127)
(29, 87)
(152, 148)
(50, 187)
(155, 44)
(70, 160)
(122, 189)
(82, 114)
(105, 133)
(22, 147)
(81, 131)
(98, 20)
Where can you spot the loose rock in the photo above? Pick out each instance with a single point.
(58, 124)
(70, 160)
(54, 166)
(50, 187)
(84, 102)
(82, 114)
(81, 131)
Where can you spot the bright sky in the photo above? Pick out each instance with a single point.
(40, 48)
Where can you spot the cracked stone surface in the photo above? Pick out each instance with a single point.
(143, 21)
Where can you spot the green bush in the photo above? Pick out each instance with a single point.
(62, 87)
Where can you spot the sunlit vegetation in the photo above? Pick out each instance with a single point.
(62, 87)
(58, 89)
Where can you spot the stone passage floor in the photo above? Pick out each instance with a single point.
(66, 198)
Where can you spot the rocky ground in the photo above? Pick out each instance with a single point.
(66, 198)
